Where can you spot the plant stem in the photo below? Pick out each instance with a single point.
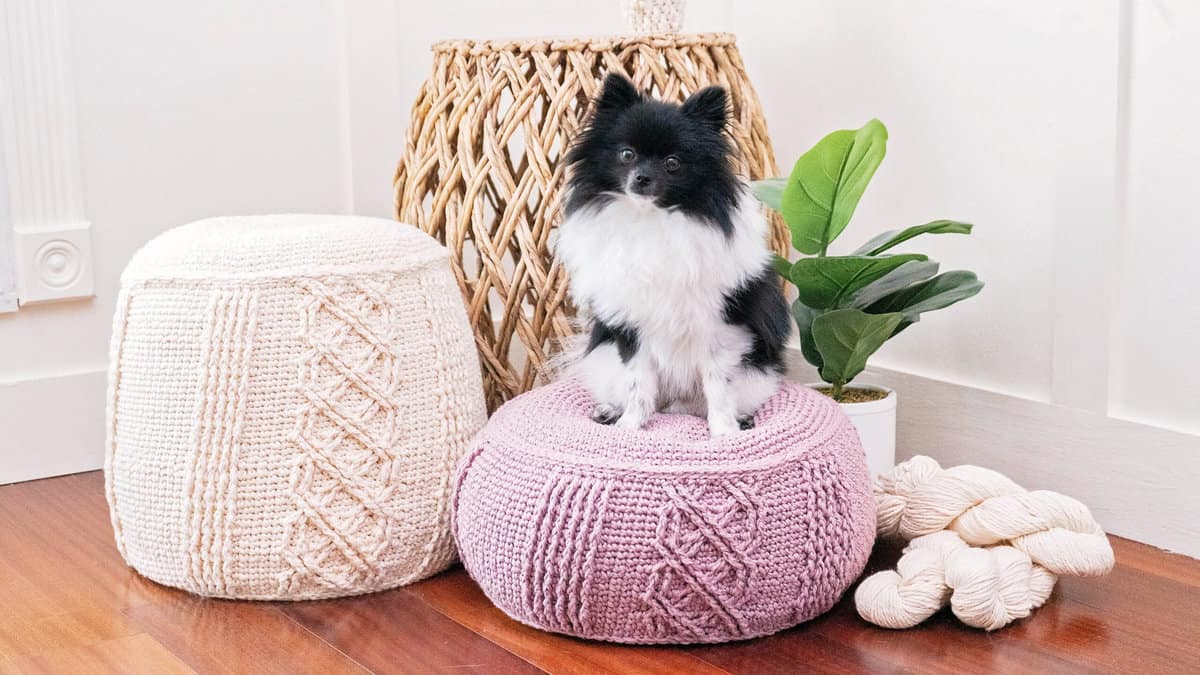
(837, 392)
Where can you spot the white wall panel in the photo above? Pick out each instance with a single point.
(1156, 346)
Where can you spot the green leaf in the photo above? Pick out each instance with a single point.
(906, 275)
(846, 338)
(829, 282)
(827, 182)
(782, 265)
(882, 242)
(937, 293)
(804, 319)
(769, 191)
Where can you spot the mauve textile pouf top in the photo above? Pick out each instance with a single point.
(288, 399)
(664, 535)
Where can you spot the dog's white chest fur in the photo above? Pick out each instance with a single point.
(667, 276)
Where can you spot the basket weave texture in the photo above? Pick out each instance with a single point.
(482, 170)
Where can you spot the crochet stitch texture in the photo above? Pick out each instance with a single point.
(288, 397)
(664, 535)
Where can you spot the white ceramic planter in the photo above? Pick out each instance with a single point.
(876, 425)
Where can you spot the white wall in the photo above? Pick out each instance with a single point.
(1063, 129)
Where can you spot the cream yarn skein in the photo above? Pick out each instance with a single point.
(986, 587)
(949, 514)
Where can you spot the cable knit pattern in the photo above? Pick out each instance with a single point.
(664, 535)
(288, 397)
(210, 504)
(705, 539)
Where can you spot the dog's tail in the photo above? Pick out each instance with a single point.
(567, 353)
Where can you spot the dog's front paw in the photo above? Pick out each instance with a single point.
(720, 426)
(604, 413)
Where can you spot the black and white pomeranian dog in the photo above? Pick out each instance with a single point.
(666, 251)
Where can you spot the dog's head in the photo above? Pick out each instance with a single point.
(675, 156)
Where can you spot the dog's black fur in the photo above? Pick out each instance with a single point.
(761, 308)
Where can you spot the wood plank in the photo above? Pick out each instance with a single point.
(454, 594)
(1157, 631)
(58, 551)
(223, 636)
(132, 654)
(72, 590)
(396, 631)
(946, 645)
(23, 633)
(792, 651)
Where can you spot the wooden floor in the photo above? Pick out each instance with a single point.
(68, 604)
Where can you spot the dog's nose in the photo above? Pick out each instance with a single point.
(641, 179)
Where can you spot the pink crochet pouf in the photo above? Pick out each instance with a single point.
(664, 535)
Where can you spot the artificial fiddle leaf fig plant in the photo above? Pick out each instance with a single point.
(847, 306)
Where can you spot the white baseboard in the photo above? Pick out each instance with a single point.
(52, 426)
(1138, 480)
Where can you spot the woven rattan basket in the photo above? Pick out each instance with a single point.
(482, 170)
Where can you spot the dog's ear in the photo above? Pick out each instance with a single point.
(618, 93)
(709, 106)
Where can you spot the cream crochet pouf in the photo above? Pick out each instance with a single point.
(288, 397)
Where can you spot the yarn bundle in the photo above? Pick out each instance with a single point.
(977, 541)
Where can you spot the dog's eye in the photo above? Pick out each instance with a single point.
(627, 155)
(672, 163)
